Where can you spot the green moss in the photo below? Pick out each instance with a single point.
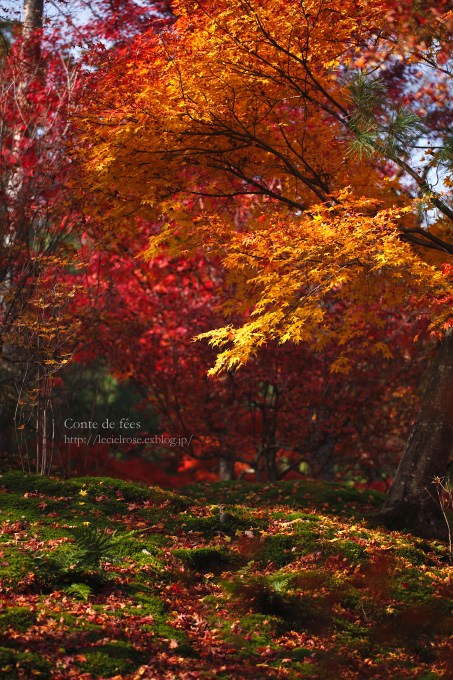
(305, 670)
(410, 612)
(18, 618)
(301, 653)
(350, 550)
(156, 541)
(312, 580)
(161, 629)
(76, 623)
(209, 526)
(19, 506)
(265, 624)
(204, 559)
(243, 518)
(15, 567)
(351, 635)
(8, 660)
(300, 493)
(135, 547)
(280, 549)
(350, 598)
(14, 665)
(114, 489)
(274, 595)
(415, 556)
(292, 516)
(18, 482)
(151, 604)
(60, 568)
(249, 646)
(115, 658)
(408, 587)
(251, 633)
(178, 503)
(206, 526)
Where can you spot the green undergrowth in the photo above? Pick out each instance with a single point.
(100, 578)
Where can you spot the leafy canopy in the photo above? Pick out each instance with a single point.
(291, 108)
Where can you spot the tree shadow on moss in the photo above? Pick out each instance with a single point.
(274, 595)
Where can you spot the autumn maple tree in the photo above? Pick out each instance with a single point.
(295, 104)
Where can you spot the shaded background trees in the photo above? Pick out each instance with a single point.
(38, 221)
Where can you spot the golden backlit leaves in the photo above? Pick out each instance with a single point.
(295, 267)
(245, 98)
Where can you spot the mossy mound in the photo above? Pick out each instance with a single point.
(114, 490)
(105, 579)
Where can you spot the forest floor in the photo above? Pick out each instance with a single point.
(101, 578)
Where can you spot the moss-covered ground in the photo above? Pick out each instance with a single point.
(100, 578)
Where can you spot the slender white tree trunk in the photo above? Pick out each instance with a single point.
(31, 18)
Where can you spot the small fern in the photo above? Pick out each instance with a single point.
(92, 545)
(81, 591)
(265, 594)
(280, 583)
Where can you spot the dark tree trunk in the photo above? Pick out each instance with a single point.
(226, 470)
(270, 465)
(412, 502)
(322, 461)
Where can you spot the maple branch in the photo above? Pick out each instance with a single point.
(264, 189)
(322, 184)
(303, 63)
(436, 243)
(285, 160)
(421, 181)
(345, 119)
(316, 288)
(225, 195)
